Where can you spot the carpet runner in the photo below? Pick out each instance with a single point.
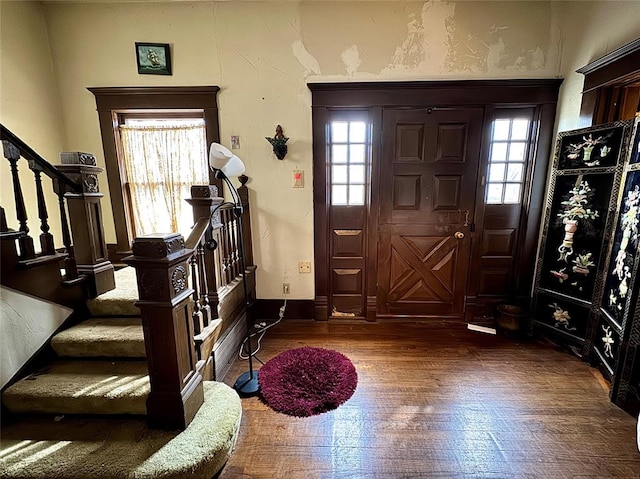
(101, 371)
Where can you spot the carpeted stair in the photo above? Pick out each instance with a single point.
(101, 371)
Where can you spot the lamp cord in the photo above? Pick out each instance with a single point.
(263, 328)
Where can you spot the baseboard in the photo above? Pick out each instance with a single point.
(296, 308)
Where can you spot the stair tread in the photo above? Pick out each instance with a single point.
(119, 301)
(102, 337)
(82, 387)
(99, 448)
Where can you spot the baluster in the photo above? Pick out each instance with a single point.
(46, 238)
(197, 313)
(25, 242)
(233, 237)
(204, 287)
(70, 264)
(226, 247)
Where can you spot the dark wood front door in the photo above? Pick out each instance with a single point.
(428, 174)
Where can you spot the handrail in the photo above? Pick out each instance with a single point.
(198, 231)
(30, 155)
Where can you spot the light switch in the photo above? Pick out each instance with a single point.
(298, 178)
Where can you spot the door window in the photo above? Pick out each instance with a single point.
(508, 151)
(348, 159)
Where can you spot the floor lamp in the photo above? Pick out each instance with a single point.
(226, 164)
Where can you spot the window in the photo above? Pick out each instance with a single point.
(162, 158)
(349, 152)
(507, 160)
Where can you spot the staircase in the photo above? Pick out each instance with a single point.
(92, 398)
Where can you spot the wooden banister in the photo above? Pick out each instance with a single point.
(166, 308)
(84, 260)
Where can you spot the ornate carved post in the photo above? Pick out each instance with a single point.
(204, 200)
(12, 154)
(166, 308)
(85, 215)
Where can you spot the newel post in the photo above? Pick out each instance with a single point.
(166, 307)
(243, 191)
(204, 200)
(85, 217)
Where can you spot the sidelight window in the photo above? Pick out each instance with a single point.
(348, 150)
(507, 160)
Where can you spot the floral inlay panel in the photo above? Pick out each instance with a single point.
(624, 252)
(590, 149)
(573, 242)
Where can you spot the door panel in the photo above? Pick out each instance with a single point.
(427, 186)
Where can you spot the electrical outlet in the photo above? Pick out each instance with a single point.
(304, 266)
(286, 288)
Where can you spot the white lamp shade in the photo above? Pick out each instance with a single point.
(220, 158)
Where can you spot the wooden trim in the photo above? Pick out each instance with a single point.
(110, 101)
(617, 69)
(436, 93)
(268, 309)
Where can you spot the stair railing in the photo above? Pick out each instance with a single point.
(83, 254)
(181, 286)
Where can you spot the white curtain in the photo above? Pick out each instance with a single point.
(162, 162)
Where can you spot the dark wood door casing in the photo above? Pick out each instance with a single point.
(377, 98)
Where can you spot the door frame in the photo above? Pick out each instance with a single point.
(374, 97)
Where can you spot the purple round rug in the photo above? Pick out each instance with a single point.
(307, 381)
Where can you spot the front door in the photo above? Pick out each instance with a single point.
(428, 176)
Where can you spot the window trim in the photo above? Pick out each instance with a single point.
(113, 101)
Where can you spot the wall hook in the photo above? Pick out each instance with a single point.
(279, 143)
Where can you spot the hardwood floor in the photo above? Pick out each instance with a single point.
(439, 401)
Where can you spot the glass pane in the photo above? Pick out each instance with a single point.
(494, 193)
(339, 132)
(339, 154)
(356, 174)
(356, 194)
(358, 132)
(501, 129)
(512, 193)
(357, 154)
(496, 171)
(339, 174)
(498, 152)
(519, 129)
(339, 195)
(514, 172)
(516, 151)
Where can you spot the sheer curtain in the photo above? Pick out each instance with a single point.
(162, 161)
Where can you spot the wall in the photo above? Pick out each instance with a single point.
(27, 323)
(29, 104)
(263, 54)
(592, 29)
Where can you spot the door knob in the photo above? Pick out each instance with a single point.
(459, 234)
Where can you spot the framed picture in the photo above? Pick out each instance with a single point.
(153, 58)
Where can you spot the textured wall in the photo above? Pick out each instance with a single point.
(263, 54)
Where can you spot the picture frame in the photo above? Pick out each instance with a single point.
(153, 58)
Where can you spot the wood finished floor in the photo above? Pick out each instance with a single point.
(439, 402)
